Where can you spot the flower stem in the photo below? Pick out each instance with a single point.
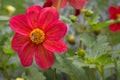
(58, 6)
(112, 77)
(80, 44)
(102, 72)
(93, 74)
(4, 67)
(55, 75)
(116, 69)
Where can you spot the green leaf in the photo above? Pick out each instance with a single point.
(87, 39)
(65, 19)
(103, 24)
(116, 49)
(70, 52)
(33, 73)
(104, 59)
(72, 69)
(99, 47)
(118, 67)
(7, 48)
(14, 60)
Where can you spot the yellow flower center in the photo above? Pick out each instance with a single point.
(37, 36)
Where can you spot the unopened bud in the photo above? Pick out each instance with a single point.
(81, 52)
(88, 12)
(71, 39)
(19, 78)
(97, 31)
(10, 9)
(73, 18)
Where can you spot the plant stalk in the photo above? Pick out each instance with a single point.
(102, 72)
(55, 74)
(58, 7)
(92, 74)
(6, 74)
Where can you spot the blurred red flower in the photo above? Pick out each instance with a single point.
(38, 34)
(77, 4)
(114, 14)
(48, 3)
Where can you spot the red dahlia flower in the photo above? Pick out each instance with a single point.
(77, 4)
(114, 14)
(38, 34)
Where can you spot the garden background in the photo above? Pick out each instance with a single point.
(93, 50)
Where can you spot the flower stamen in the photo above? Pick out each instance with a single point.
(37, 36)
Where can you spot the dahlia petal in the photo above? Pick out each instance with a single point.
(119, 10)
(18, 41)
(47, 16)
(48, 3)
(56, 31)
(19, 24)
(77, 4)
(43, 57)
(26, 54)
(113, 27)
(55, 46)
(62, 3)
(113, 12)
(32, 14)
(118, 26)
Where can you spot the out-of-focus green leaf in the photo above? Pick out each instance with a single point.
(7, 48)
(116, 49)
(94, 19)
(65, 19)
(87, 39)
(118, 67)
(104, 24)
(105, 59)
(71, 52)
(33, 73)
(67, 66)
(14, 60)
(99, 46)
(50, 74)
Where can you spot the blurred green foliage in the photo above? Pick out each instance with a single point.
(102, 50)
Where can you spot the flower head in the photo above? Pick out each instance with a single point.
(38, 35)
(77, 4)
(114, 14)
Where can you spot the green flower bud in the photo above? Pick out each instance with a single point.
(10, 9)
(81, 52)
(97, 31)
(71, 39)
(88, 12)
(19, 78)
(73, 18)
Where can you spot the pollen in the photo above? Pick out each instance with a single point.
(37, 36)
